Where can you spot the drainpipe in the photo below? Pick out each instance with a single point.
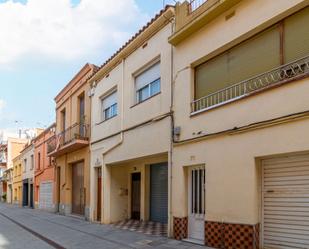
(170, 226)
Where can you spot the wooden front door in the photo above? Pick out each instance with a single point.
(99, 197)
(78, 191)
(136, 196)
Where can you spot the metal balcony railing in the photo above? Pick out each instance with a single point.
(195, 4)
(290, 71)
(77, 131)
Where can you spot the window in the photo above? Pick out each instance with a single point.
(277, 45)
(81, 102)
(109, 106)
(32, 162)
(25, 165)
(239, 63)
(63, 117)
(148, 83)
(39, 160)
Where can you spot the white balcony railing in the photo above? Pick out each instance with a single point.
(195, 4)
(288, 72)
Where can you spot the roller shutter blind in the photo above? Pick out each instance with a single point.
(148, 76)
(254, 56)
(286, 202)
(159, 193)
(296, 36)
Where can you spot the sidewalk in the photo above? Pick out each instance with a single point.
(70, 232)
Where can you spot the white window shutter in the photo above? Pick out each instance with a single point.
(109, 100)
(148, 76)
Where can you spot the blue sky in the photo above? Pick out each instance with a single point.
(32, 74)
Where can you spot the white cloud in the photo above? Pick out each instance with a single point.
(55, 29)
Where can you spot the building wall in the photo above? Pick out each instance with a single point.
(231, 160)
(28, 169)
(46, 171)
(17, 181)
(119, 154)
(64, 163)
(68, 99)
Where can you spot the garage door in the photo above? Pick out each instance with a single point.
(46, 195)
(286, 202)
(159, 192)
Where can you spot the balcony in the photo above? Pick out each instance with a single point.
(195, 4)
(192, 16)
(74, 138)
(283, 74)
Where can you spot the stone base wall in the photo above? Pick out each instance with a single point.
(231, 236)
(65, 209)
(180, 228)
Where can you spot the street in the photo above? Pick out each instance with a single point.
(28, 228)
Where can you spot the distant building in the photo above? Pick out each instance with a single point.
(44, 172)
(27, 160)
(17, 184)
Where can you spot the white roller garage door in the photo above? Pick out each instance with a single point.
(46, 195)
(286, 202)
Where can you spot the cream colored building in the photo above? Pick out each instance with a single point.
(14, 147)
(241, 143)
(131, 128)
(28, 162)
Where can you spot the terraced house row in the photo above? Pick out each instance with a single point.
(197, 126)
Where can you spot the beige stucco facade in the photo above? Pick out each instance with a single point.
(17, 184)
(230, 140)
(28, 162)
(70, 145)
(139, 136)
(14, 147)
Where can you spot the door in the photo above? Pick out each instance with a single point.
(99, 191)
(78, 206)
(31, 196)
(159, 193)
(25, 193)
(196, 205)
(136, 196)
(285, 197)
(46, 195)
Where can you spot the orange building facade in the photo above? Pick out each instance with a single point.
(44, 176)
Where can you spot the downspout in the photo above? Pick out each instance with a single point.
(171, 139)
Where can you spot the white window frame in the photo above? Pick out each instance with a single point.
(110, 107)
(148, 86)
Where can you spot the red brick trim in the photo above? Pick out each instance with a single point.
(180, 228)
(231, 236)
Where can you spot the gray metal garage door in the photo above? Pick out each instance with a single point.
(46, 195)
(159, 193)
(286, 202)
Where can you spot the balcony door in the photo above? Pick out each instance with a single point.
(82, 115)
(78, 190)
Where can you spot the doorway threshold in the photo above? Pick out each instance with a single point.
(76, 216)
(194, 241)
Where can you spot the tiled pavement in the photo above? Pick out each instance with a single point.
(146, 227)
(25, 228)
